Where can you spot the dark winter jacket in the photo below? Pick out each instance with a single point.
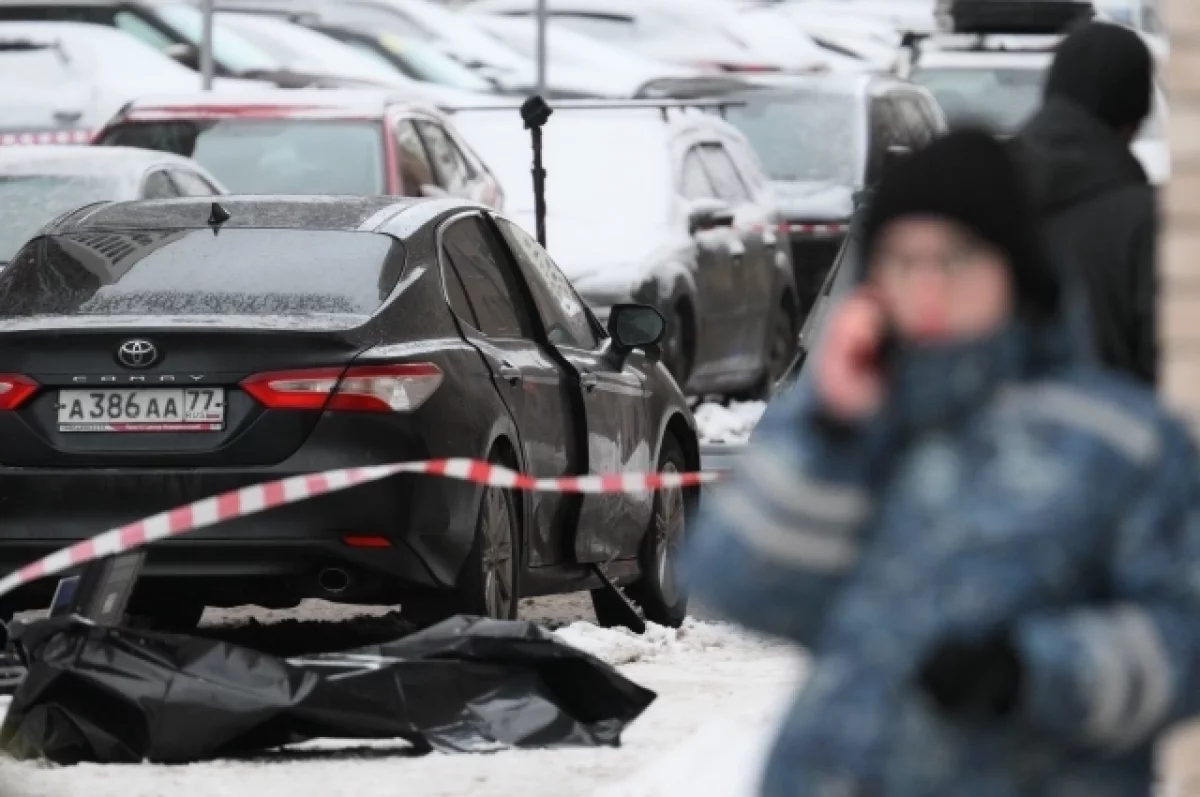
(1101, 226)
(1004, 486)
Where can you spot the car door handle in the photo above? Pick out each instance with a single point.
(510, 373)
(588, 380)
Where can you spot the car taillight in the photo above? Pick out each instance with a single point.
(15, 390)
(370, 388)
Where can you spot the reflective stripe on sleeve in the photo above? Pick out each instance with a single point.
(789, 546)
(795, 495)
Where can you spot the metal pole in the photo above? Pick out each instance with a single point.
(541, 48)
(206, 46)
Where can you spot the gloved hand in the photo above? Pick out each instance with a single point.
(974, 679)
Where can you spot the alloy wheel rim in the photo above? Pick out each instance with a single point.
(669, 533)
(497, 555)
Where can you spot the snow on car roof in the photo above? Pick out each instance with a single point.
(96, 161)
(273, 212)
(276, 103)
(983, 59)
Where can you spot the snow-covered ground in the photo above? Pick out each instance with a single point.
(720, 695)
(731, 424)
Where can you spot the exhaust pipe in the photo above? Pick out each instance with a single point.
(333, 580)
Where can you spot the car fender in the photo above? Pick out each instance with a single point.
(666, 284)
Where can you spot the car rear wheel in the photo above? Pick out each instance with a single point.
(492, 579)
(779, 355)
(659, 590)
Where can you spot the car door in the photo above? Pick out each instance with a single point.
(613, 395)
(497, 319)
(751, 260)
(719, 307)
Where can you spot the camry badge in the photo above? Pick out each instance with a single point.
(137, 354)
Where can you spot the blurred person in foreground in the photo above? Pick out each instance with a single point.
(1093, 195)
(990, 547)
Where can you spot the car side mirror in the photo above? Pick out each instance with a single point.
(708, 214)
(184, 53)
(635, 326)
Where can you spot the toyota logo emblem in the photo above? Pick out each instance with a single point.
(137, 354)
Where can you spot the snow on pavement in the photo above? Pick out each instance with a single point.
(720, 690)
(731, 424)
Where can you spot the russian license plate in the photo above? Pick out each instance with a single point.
(184, 409)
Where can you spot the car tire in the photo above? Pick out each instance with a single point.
(678, 347)
(491, 583)
(659, 590)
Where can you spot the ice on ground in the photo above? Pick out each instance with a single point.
(732, 424)
(721, 692)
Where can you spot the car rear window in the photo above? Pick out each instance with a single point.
(271, 156)
(826, 123)
(236, 272)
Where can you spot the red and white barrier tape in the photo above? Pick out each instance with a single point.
(259, 497)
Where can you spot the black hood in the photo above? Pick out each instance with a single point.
(1071, 155)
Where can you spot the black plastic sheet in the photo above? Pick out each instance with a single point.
(113, 695)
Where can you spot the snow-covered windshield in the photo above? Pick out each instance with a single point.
(827, 124)
(172, 272)
(1001, 98)
(424, 62)
(253, 156)
(28, 202)
(231, 50)
(602, 169)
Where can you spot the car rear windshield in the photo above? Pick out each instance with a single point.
(280, 156)
(827, 125)
(237, 272)
(1001, 98)
(28, 202)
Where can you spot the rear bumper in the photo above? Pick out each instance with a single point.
(272, 557)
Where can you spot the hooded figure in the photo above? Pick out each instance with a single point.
(989, 545)
(1093, 194)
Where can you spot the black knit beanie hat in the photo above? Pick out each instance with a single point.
(1108, 70)
(968, 177)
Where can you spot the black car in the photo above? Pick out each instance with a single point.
(823, 140)
(156, 352)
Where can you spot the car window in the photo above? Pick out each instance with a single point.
(159, 186)
(562, 311)
(171, 272)
(916, 129)
(827, 124)
(723, 173)
(490, 288)
(415, 169)
(142, 30)
(452, 170)
(192, 184)
(694, 182)
(1001, 98)
(286, 156)
(29, 201)
(885, 132)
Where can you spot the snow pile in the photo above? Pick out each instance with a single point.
(618, 646)
(732, 424)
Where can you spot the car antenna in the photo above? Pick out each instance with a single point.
(217, 216)
(535, 113)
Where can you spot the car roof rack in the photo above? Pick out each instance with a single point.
(1013, 17)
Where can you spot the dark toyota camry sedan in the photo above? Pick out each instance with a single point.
(155, 353)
